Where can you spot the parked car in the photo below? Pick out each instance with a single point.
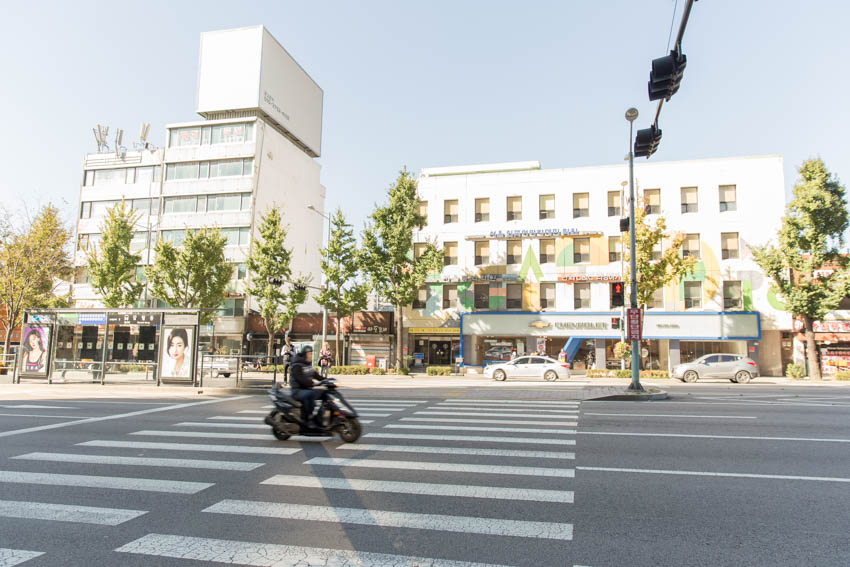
(528, 367)
(216, 366)
(737, 368)
(498, 353)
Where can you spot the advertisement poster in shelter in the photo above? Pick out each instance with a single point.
(35, 350)
(177, 352)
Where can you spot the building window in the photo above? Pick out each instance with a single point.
(581, 205)
(581, 250)
(145, 206)
(241, 271)
(450, 211)
(728, 198)
(450, 253)
(581, 296)
(421, 297)
(481, 294)
(514, 254)
(513, 296)
(652, 201)
(231, 133)
(732, 297)
(614, 201)
(729, 245)
(547, 250)
(482, 210)
(184, 137)
(219, 134)
(690, 246)
(181, 171)
(85, 210)
(657, 300)
(482, 252)
(547, 296)
(180, 205)
(87, 241)
(689, 200)
(449, 296)
(144, 175)
(207, 203)
(88, 179)
(693, 295)
(237, 236)
(514, 208)
(419, 249)
(81, 276)
(614, 249)
(138, 242)
(231, 308)
(110, 176)
(547, 207)
(422, 211)
(209, 169)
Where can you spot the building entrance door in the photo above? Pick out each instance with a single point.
(440, 352)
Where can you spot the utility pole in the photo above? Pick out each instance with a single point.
(631, 115)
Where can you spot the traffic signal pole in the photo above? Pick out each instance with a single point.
(635, 385)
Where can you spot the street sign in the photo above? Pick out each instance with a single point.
(634, 324)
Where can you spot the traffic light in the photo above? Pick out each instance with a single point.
(275, 281)
(625, 224)
(666, 75)
(615, 323)
(617, 295)
(646, 141)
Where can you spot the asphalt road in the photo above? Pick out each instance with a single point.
(713, 476)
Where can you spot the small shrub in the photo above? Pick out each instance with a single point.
(377, 370)
(794, 371)
(438, 370)
(350, 370)
(403, 370)
(842, 375)
(623, 373)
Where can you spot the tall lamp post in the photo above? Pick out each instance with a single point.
(324, 308)
(631, 115)
(622, 273)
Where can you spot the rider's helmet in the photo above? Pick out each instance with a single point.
(306, 348)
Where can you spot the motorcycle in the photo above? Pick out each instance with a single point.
(335, 414)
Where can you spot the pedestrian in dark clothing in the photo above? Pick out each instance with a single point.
(302, 380)
(287, 353)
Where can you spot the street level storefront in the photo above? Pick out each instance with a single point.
(669, 337)
(433, 346)
(832, 340)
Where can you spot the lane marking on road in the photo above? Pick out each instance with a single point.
(495, 429)
(273, 555)
(65, 513)
(456, 490)
(476, 438)
(457, 451)
(31, 406)
(140, 461)
(753, 403)
(386, 401)
(698, 436)
(51, 416)
(10, 557)
(364, 414)
(545, 403)
(217, 435)
(442, 467)
(672, 415)
(385, 518)
(235, 425)
(113, 482)
(720, 474)
(571, 423)
(198, 447)
(487, 412)
(118, 416)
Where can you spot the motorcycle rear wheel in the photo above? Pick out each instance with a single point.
(279, 434)
(349, 430)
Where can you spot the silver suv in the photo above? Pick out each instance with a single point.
(736, 367)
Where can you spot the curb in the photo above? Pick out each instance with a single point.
(636, 397)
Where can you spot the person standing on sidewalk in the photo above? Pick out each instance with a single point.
(287, 352)
(325, 356)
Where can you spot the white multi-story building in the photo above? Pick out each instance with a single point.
(531, 255)
(254, 150)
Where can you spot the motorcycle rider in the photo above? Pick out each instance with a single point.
(302, 375)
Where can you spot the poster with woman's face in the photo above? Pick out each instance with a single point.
(176, 352)
(34, 350)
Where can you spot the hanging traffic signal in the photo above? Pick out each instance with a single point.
(646, 141)
(617, 294)
(615, 323)
(666, 75)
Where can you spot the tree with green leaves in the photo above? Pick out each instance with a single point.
(387, 251)
(806, 266)
(33, 261)
(270, 260)
(343, 293)
(194, 274)
(111, 265)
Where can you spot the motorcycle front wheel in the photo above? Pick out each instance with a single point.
(349, 430)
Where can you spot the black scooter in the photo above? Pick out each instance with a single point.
(335, 414)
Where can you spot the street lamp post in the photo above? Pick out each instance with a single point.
(324, 308)
(631, 115)
(622, 273)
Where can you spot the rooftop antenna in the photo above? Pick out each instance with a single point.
(120, 150)
(100, 134)
(143, 143)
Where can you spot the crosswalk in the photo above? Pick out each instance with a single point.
(435, 468)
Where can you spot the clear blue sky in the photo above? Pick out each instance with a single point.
(434, 83)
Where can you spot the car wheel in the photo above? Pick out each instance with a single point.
(226, 374)
(550, 376)
(742, 377)
(214, 374)
(499, 375)
(690, 376)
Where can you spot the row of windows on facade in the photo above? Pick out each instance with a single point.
(81, 273)
(581, 250)
(222, 202)
(234, 236)
(211, 135)
(732, 296)
(190, 170)
(581, 204)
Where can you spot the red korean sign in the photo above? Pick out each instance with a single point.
(633, 325)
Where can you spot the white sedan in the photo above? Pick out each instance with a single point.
(528, 367)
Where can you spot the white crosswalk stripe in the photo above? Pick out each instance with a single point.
(204, 448)
(112, 482)
(273, 555)
(385, 518)
(218, 435)
(503, 403)
(10, 557)
(455, 410)
(453, 490)
(362, 414)
(386, 401)
(457, 451)
(65, 513)
(441, 467)
(571, 423)
(483, 439)
(140, 461)
(235, 425)
(495, 429)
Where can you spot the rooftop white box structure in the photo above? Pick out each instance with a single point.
(246, 69)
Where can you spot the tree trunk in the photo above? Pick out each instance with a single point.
(338, 332)
(398, 329)
(811, 349)
(270, 345)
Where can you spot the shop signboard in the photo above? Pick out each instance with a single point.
(434, 330)
(634, 323)
(92, 318)
(831, 326)
(143, 319)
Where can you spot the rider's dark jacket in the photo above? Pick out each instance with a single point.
(302, 373)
